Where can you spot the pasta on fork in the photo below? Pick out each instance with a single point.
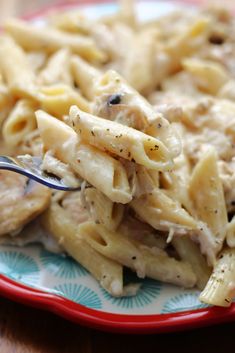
(144, 115)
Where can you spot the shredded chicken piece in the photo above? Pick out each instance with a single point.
(21, 200)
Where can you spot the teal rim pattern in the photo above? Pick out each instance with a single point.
(148, 292)
(183, 302)
(20, 267)
(79, 294)
(59, 274)
(62, 266)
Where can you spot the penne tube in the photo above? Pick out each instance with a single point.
(58, 223)
(162, 212)
(220, 288)
(144, 261)
(187, 42)
(50, 39)
(176, 182)
(120, 140)
(6, 102)
(52, 72)
(134, 229)
(85, 76)
(91, 164)
(37, 59)
(127, 12)
(57, 99)
(19, 122)
(71, 21)
(116, 100)
(190, 252)
(146, 180)
(19, 77)
(142, 54)
(113, 246)
(207, 194)
(208, 75)
(103, 210)
(167, 269)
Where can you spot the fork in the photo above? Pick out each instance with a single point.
(31, 167)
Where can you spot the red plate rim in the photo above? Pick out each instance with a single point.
(120, 323)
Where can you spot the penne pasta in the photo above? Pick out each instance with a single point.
(140, 259)
(142, 54)
(84, 159)
(50, 40)
(52, 73)
(208, 75)
(220, 288)
(19, 78)
(103, 210)
(116, 100)
(162, 212)
(59, 224)
(127, 12)
(120, 140)
(20, 122)
(84, 75)
(190, 252)
(206, 191)
(57, 99)
(6, 102)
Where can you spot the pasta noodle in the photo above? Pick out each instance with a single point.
(106, 271)
(84, 159)
(20, 122)
(123, 141)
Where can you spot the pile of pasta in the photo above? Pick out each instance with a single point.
(143, 114)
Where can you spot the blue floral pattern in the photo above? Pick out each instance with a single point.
(79, 294)
(183, 302)
(61, 265)
(148, 292)
(19, 266)
(63, 276)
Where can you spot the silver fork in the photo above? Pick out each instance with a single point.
(31, 167)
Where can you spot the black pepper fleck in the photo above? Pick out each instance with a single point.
(216, 39)
(133, 257)
(114, 99)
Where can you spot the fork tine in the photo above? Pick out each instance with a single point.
(33, 171)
